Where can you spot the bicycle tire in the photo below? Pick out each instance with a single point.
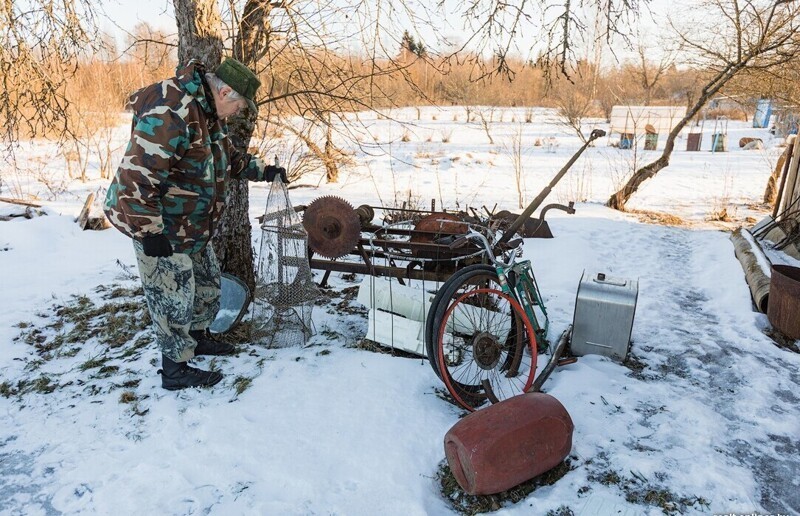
(474, 276)
(448, 289)
(486, 340)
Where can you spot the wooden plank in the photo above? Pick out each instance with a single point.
(20, 202)
(83, 217)
(792, 189)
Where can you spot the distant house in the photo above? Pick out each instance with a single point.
(633, 120)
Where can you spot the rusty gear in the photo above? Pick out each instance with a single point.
(333, 226)
(365, 214)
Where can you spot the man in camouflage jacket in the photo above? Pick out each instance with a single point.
(168, 195)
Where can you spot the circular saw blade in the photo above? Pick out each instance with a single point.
(332, 225)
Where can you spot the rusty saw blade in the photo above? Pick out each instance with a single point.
(332, 225)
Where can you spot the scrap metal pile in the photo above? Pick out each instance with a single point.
(410, 243)
(415, 244)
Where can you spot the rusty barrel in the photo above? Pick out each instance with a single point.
(505, 444)
(783, 310)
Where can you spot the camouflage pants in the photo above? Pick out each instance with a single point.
(182, 293)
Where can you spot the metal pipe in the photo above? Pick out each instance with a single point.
(378, 270)
(512, 230)
(553, 362)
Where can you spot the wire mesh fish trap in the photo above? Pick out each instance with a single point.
(285, 290)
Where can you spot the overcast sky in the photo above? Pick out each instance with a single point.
(124, 15)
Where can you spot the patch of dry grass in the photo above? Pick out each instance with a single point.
(470, 505)
(660, 218)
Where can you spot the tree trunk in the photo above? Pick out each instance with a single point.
(332, 171)
(199, 35)
(233, 241)
(618, 199)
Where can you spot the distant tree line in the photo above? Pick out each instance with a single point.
(419, 78)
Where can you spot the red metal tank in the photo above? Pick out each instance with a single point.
(505, 444)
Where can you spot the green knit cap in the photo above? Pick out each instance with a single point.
(241, 79)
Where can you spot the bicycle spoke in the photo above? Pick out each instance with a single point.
(482, 343)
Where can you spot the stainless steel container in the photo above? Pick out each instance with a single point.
(603, 319)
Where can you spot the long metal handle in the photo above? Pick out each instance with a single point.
(553, 362)
(512, 230)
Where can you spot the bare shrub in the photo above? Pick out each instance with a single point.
(722, 210)
(578, 185)
(528, 115)
(516, 151)
(485, 124)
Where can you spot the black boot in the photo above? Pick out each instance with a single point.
(178, 375)
(208, 345)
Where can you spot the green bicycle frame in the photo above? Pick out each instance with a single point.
(525, 290)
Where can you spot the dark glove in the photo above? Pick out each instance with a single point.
(271, 172)
(156, 245)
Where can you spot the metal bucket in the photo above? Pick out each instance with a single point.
(783, 311)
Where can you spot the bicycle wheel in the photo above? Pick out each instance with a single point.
(485, 340)
(473, 276)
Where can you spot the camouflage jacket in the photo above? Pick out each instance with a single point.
(173, 178)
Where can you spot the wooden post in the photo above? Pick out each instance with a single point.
(790, 190)
(83, 217)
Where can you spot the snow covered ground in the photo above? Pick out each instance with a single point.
(704, 419)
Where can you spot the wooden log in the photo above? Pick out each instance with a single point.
(771, 191)
(98, 223)
(20, 202)
(748, 139)
(756, 267)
